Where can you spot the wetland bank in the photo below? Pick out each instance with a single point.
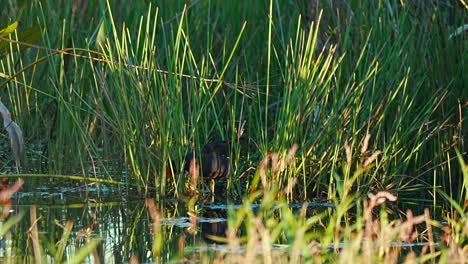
(344, 124)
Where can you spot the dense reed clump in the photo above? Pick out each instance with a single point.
(317, 99)
(147, 89)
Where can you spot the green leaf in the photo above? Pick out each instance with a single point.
(10, 223)
(102, 35)
(9, 29)
(25, 38)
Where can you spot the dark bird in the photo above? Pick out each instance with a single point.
(215, 163)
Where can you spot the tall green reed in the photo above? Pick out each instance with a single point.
(358, 69)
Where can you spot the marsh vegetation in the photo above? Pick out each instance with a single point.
(344, 124)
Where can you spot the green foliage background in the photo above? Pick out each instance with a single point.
(143, 83)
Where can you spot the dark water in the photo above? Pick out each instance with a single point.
(122, 221)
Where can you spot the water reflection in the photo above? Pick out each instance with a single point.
(213, 225)
(123, 222)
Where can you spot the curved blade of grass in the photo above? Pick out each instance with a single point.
(464, 169)
(85, 251)
(67, 177)
(223, 72)
(453, 203)
(14, 132)
(10, 223)
(63, 241)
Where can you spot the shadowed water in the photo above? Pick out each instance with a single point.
(123, 222)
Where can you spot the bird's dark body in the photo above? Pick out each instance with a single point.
(215, 163)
